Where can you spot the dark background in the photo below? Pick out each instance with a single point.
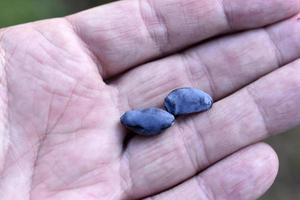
(287, 185)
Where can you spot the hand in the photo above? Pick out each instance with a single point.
(65, 82)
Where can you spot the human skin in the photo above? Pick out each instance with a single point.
(65, 83)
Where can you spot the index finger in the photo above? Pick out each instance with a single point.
(125, 34)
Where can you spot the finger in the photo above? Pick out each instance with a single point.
(244, 175)
(268, 106)
(218, 67)
(127, 33)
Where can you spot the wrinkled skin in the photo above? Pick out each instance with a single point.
(65, 83)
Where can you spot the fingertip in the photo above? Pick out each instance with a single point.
(247, 174)
(260, 164)
(268, 163)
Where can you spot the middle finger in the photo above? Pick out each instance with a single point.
(219, 67)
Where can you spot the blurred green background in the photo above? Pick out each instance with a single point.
(287, 185)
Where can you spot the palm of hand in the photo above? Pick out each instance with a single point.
(60, 117)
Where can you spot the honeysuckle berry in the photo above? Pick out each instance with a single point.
(147, 122)
(185, 101)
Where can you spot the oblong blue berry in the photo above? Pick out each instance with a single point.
(147, 122)
(185, 101)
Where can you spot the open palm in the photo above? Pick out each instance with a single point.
(65, 83)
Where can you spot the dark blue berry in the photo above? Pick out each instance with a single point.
(147, 122)
(185, 101)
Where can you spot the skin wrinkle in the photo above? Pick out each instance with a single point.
(76, 180)
(160, 39)
(227, 15)
(182, 138)
(65, 108)
(159, 159)
(45, 37)
(47, 132)
(126, 182)
(82, 181)
(120, 99)
(116, 98)
(151, 95)
(260, 109)
(193, 7)
(210, 78)
(205, 189)
(202, 139)
(202, 10)
(95, 58)
(48, 41)
(166, 155)
(50, 129)
(94, 171)
(204, 68)
(44, 66)
(277, 50)
(74, 94)
(188, 69)
(53, 59)
(193, 69)
(46, 50)
(36, 77)
(127, 103)
(40, 146)
(244, 65)
(34, 145)
(75, 132)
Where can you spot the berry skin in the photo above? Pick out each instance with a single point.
(147, 122)
(185, 101)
